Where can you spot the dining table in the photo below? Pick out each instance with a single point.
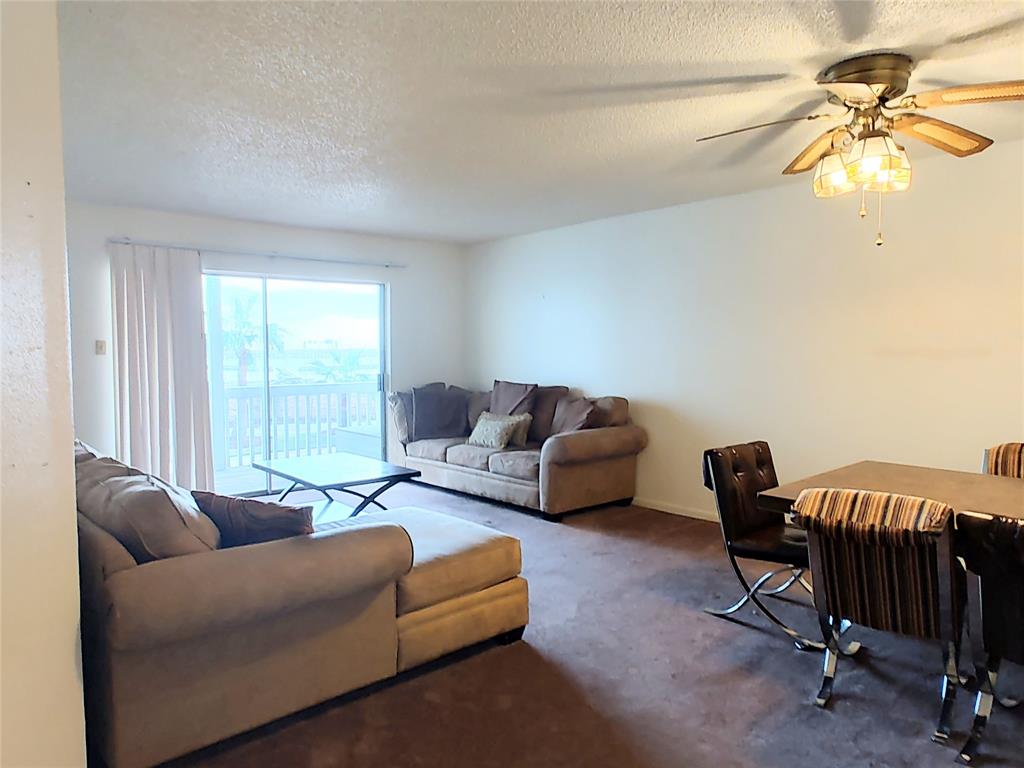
(963, 491)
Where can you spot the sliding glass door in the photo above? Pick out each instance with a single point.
(296, 369)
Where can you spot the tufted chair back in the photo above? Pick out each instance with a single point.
(883, 560)
(993, 548)
(1006, 460)
(736, 474)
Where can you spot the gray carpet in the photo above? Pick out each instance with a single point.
(620, 667)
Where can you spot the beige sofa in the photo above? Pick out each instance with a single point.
(558, 474)
(184, 651)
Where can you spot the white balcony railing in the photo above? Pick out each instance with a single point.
(302, 420)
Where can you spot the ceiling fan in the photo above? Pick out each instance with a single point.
(862, 151)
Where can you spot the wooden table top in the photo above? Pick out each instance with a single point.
(963, 491)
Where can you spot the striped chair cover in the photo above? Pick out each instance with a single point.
(1006, 460)
(878, 555)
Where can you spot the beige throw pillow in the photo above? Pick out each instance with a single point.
(493, 432)
(522, 423)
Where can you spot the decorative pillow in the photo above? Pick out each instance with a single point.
(438, 412)
(402, 412)
(150, 518)
(571, 414)
(248, 521)
(478, 403)
(510, 399)
(609, 412)
(544, 411)
(522, 423)
(492, 433)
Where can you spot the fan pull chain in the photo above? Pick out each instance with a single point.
(879, 241)
(863, 203)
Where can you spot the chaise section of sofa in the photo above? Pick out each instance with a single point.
(557, 474)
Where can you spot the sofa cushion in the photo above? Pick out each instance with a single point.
(451, 556)
(509, 398)
(472, 456)
(437, 412)
(433, 450)
(401, 406)
(522, 464)
(544, 412)
(572, 413)
(150, 518)
(250, 521)
(609, 412)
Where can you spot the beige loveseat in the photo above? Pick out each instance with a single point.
(553, 473)
(184, 651)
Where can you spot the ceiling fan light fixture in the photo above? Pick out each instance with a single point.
(831, 178)
(874, 152)
(893, 180)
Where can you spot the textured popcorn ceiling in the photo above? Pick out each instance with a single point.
(469, 121)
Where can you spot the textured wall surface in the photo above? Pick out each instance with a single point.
(41, 693)
(470, 121)
(772, 316)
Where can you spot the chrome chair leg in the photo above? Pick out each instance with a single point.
(802, 643)
(796, 573)
(982, 711)
(761, 581)
(950, 682)
(828, 678)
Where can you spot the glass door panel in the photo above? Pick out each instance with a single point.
(325, 364)
(237, 365)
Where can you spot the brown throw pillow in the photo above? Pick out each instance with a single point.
(438, 413)
(509, 398)
(248, 521)
(544, 412)
(609, 412)
(571, 414)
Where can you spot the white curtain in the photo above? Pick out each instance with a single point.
(163, 402)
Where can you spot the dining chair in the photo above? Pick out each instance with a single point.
(736, 474)
(1006, 460)
(885, 561)
(993, 549)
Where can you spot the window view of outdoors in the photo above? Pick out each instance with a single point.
(295, 369)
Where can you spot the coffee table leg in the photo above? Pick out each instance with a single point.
(290, 489)
(371, 498)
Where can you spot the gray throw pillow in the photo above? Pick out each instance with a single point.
(571, 414)
(609, 412)
(438, 413)
(522, 423)
(492, 433)
(401, 407)
(509, 398)
(544, 412)
(248, 521)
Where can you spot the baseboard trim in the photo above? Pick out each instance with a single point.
(676, 509)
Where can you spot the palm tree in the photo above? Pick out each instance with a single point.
(242, 334)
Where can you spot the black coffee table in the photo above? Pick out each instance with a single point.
(338, 472)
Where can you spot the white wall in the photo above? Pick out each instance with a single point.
(425, 316)
(771, 315)
(41, 688)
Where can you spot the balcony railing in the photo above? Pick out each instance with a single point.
(302, 420)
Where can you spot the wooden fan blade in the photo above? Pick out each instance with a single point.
(812, 153)
(945, 136)
(764, 125)
(1008, 90)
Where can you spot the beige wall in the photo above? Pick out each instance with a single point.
(41, 699)
(771, 315)
(424, 318)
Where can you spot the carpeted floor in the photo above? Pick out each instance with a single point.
(620, 667)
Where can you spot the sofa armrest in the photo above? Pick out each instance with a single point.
(586, 445)
(182, 597)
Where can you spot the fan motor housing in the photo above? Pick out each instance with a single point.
(887, 73)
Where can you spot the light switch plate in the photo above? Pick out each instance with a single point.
(101, 346)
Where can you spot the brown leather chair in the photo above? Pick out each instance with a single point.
(885, 561)
(736, 474)
(993, 549)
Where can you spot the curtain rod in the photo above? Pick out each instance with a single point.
(263, 255)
